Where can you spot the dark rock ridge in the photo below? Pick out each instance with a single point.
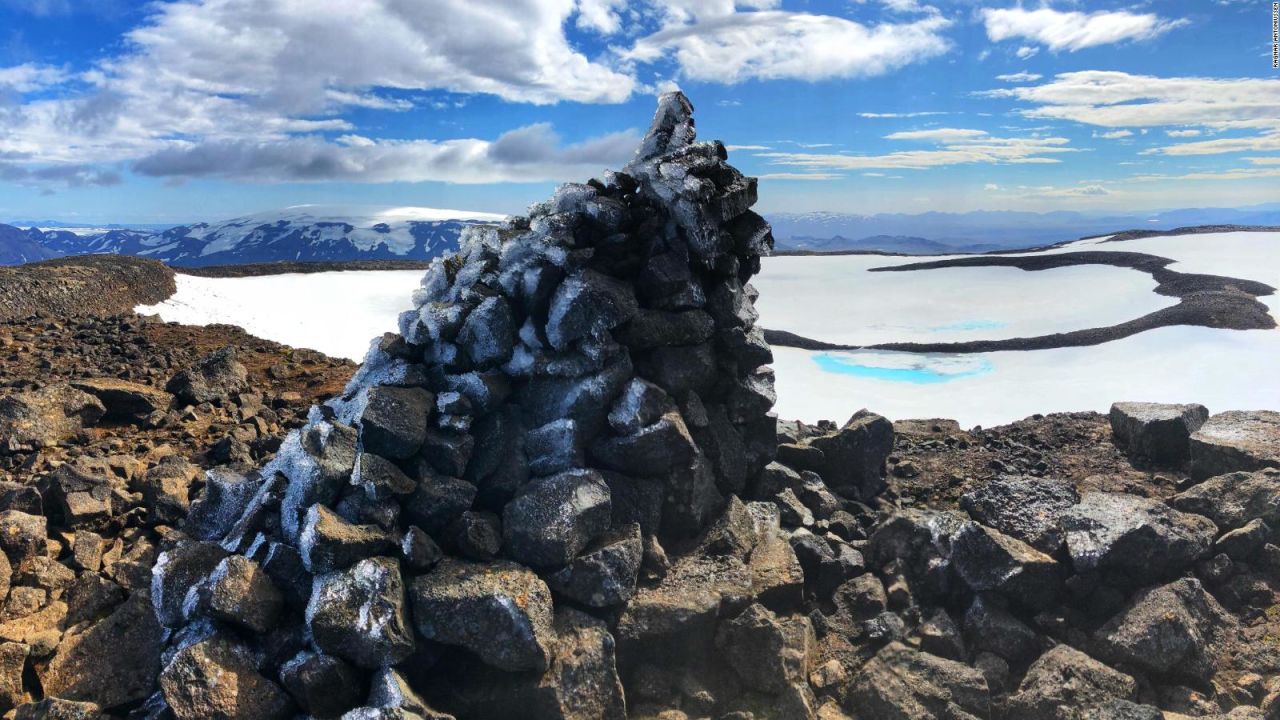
(1204, 300)
(90, 286)
(575, 391)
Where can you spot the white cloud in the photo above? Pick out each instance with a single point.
(30, 77)
(991, 186)
(1114, 134)
(1073, 30)
(957, 146)
(531, 153)
(1264, 160)
(924, 113)
(1019, 77)
(773, 45)
(817, 176)
(1237, 174)
(1119, 100)
(1027, 51)
(746, 148)
(942, 135)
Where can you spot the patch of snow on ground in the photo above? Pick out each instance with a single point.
(337, 313)
(835, 299)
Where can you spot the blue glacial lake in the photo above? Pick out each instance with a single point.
(903, 367)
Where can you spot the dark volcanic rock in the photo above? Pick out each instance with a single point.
(1064, 681)
(1236, 440)
(1156, 434)
(124, 400)
(554, 518)
(215, 678)
(500, 611)
(360, 614)
(44, 417)
(905, 684)
(604, 575)
(1173, 631)
(990, 561)
(112, 662)
(1137, 539)
(853, 458)
(394, 422)
(1233, 500)
(1026, 508)
(215, 378)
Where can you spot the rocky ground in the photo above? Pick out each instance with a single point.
(92, 285)
(70, 628)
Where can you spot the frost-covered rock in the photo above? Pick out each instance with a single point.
(572, 391)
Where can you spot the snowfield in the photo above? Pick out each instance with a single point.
(837, 300)
(337, 313)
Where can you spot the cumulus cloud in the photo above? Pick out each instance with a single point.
(1182, 133)
(956, 146)
(1114, 134)
(1073, 30)
(247, 81)
(532, 153)
(772, 45)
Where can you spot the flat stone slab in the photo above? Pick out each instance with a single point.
(1236, 440)
(1156, 434)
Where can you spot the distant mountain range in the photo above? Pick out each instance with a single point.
(983, 231)
(338, 234)
(301, 233)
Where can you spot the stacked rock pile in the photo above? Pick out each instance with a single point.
(575, 391)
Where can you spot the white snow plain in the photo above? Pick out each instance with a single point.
(836, 299)
(338, 313)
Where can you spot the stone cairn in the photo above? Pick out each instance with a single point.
(575, 394)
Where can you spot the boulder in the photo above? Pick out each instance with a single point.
(394, 421)
(1240, 544)
(1138, 540)
(1025, 508)
(1236, 440)
(215, 378)
(990, 627)
(899, 683)
(1063, 682)
(23, 535)
(112, 662)
(322, 685)
(488, 334)
(990, 561)
(58, 709)
(360, 614)
(853, 457)
(328, 542)
(499, 611)
(587, 304)
(554, 518)
(1156, 434)
(240, 593)
(45, 417)
(13, 659)
(1235, 499)
(216, 678)
(1173, 632)
(605, 574)
(177, 571)
(768, 652)
(125, 401)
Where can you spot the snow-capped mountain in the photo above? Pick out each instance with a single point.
(299, 233)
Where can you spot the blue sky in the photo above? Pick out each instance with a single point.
(112, 111)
